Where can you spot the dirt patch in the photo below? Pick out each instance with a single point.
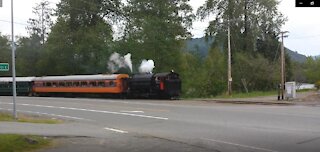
(313, 98)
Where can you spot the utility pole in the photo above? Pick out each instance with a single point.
(229, 62)
(282, 89)
(42, 28)
(14, 93)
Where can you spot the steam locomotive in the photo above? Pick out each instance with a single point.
(160, 85)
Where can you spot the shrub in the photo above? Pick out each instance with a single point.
(317, 84)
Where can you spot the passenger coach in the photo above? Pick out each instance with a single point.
(23, 85)
(114, 84)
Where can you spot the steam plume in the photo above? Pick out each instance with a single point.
(127, 60)
(146, 66)
(116, 62)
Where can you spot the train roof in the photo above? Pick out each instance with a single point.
(142, 76)
(82, 77)
(18, 79)
(164, 74)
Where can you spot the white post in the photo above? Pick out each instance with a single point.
(14, 93)
(229, 62)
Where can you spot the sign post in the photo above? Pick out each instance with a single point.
(4, 66)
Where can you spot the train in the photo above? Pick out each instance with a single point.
(159, 85)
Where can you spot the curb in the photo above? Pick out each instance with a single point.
(239, 101)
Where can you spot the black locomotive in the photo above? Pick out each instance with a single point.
(159, 85)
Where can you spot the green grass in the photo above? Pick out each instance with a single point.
(29, 119)
(306, 90)
(249, 95)
(21, 143)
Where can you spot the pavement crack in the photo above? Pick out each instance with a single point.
(177, 141)
(309, 140)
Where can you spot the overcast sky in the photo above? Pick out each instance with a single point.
(303, 23)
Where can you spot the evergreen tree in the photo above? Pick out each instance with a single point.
(41, 25)
(28, 55)
(5, 51)
(155, 30)
(249, 21)
(80, 40)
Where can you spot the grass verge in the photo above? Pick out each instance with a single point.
(29, 119)
(249, 95)
(306, 90)
(20, 143)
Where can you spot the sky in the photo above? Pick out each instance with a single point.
(303, 23)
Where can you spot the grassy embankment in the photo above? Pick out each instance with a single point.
(249, 95)
(20, 143)
(30, 119)
(257, 94)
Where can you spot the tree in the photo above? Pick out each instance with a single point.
(191, 74)
(5, 51)
(41, 25)
(81, 38)
(312, 69)
(155, 30)
(215, 73)
(255, 26)
(250, 20)
(203, 77)
(28, 55)
(254, 73)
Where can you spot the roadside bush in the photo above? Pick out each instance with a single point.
(317, 84)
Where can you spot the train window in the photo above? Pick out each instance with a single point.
(76, 84)
(83, 84)
(69, 84)
(48, 84)
(62, 84)
(111, 84)
(101, 84)
(92, 84)
(54, 84)
(38, 84)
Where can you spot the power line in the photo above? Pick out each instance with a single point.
(14, 22)
(308, 36)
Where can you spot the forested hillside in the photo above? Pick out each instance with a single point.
(201, 46)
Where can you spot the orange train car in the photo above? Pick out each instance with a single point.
(84, 84)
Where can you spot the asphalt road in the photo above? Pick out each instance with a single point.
(159, 125)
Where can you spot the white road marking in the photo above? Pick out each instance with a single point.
(240, 145)
(49, 114)
(91, 110)
(132, 111)
(116, 130)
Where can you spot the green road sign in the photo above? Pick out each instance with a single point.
(4, 66)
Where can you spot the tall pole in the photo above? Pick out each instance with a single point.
(229, 62)
(42, 20)
(14, 93)
(282, 65)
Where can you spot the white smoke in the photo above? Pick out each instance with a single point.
(146, 66)
(116, 61)
(127, 60)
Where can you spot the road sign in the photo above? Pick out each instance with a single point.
(4, 66)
